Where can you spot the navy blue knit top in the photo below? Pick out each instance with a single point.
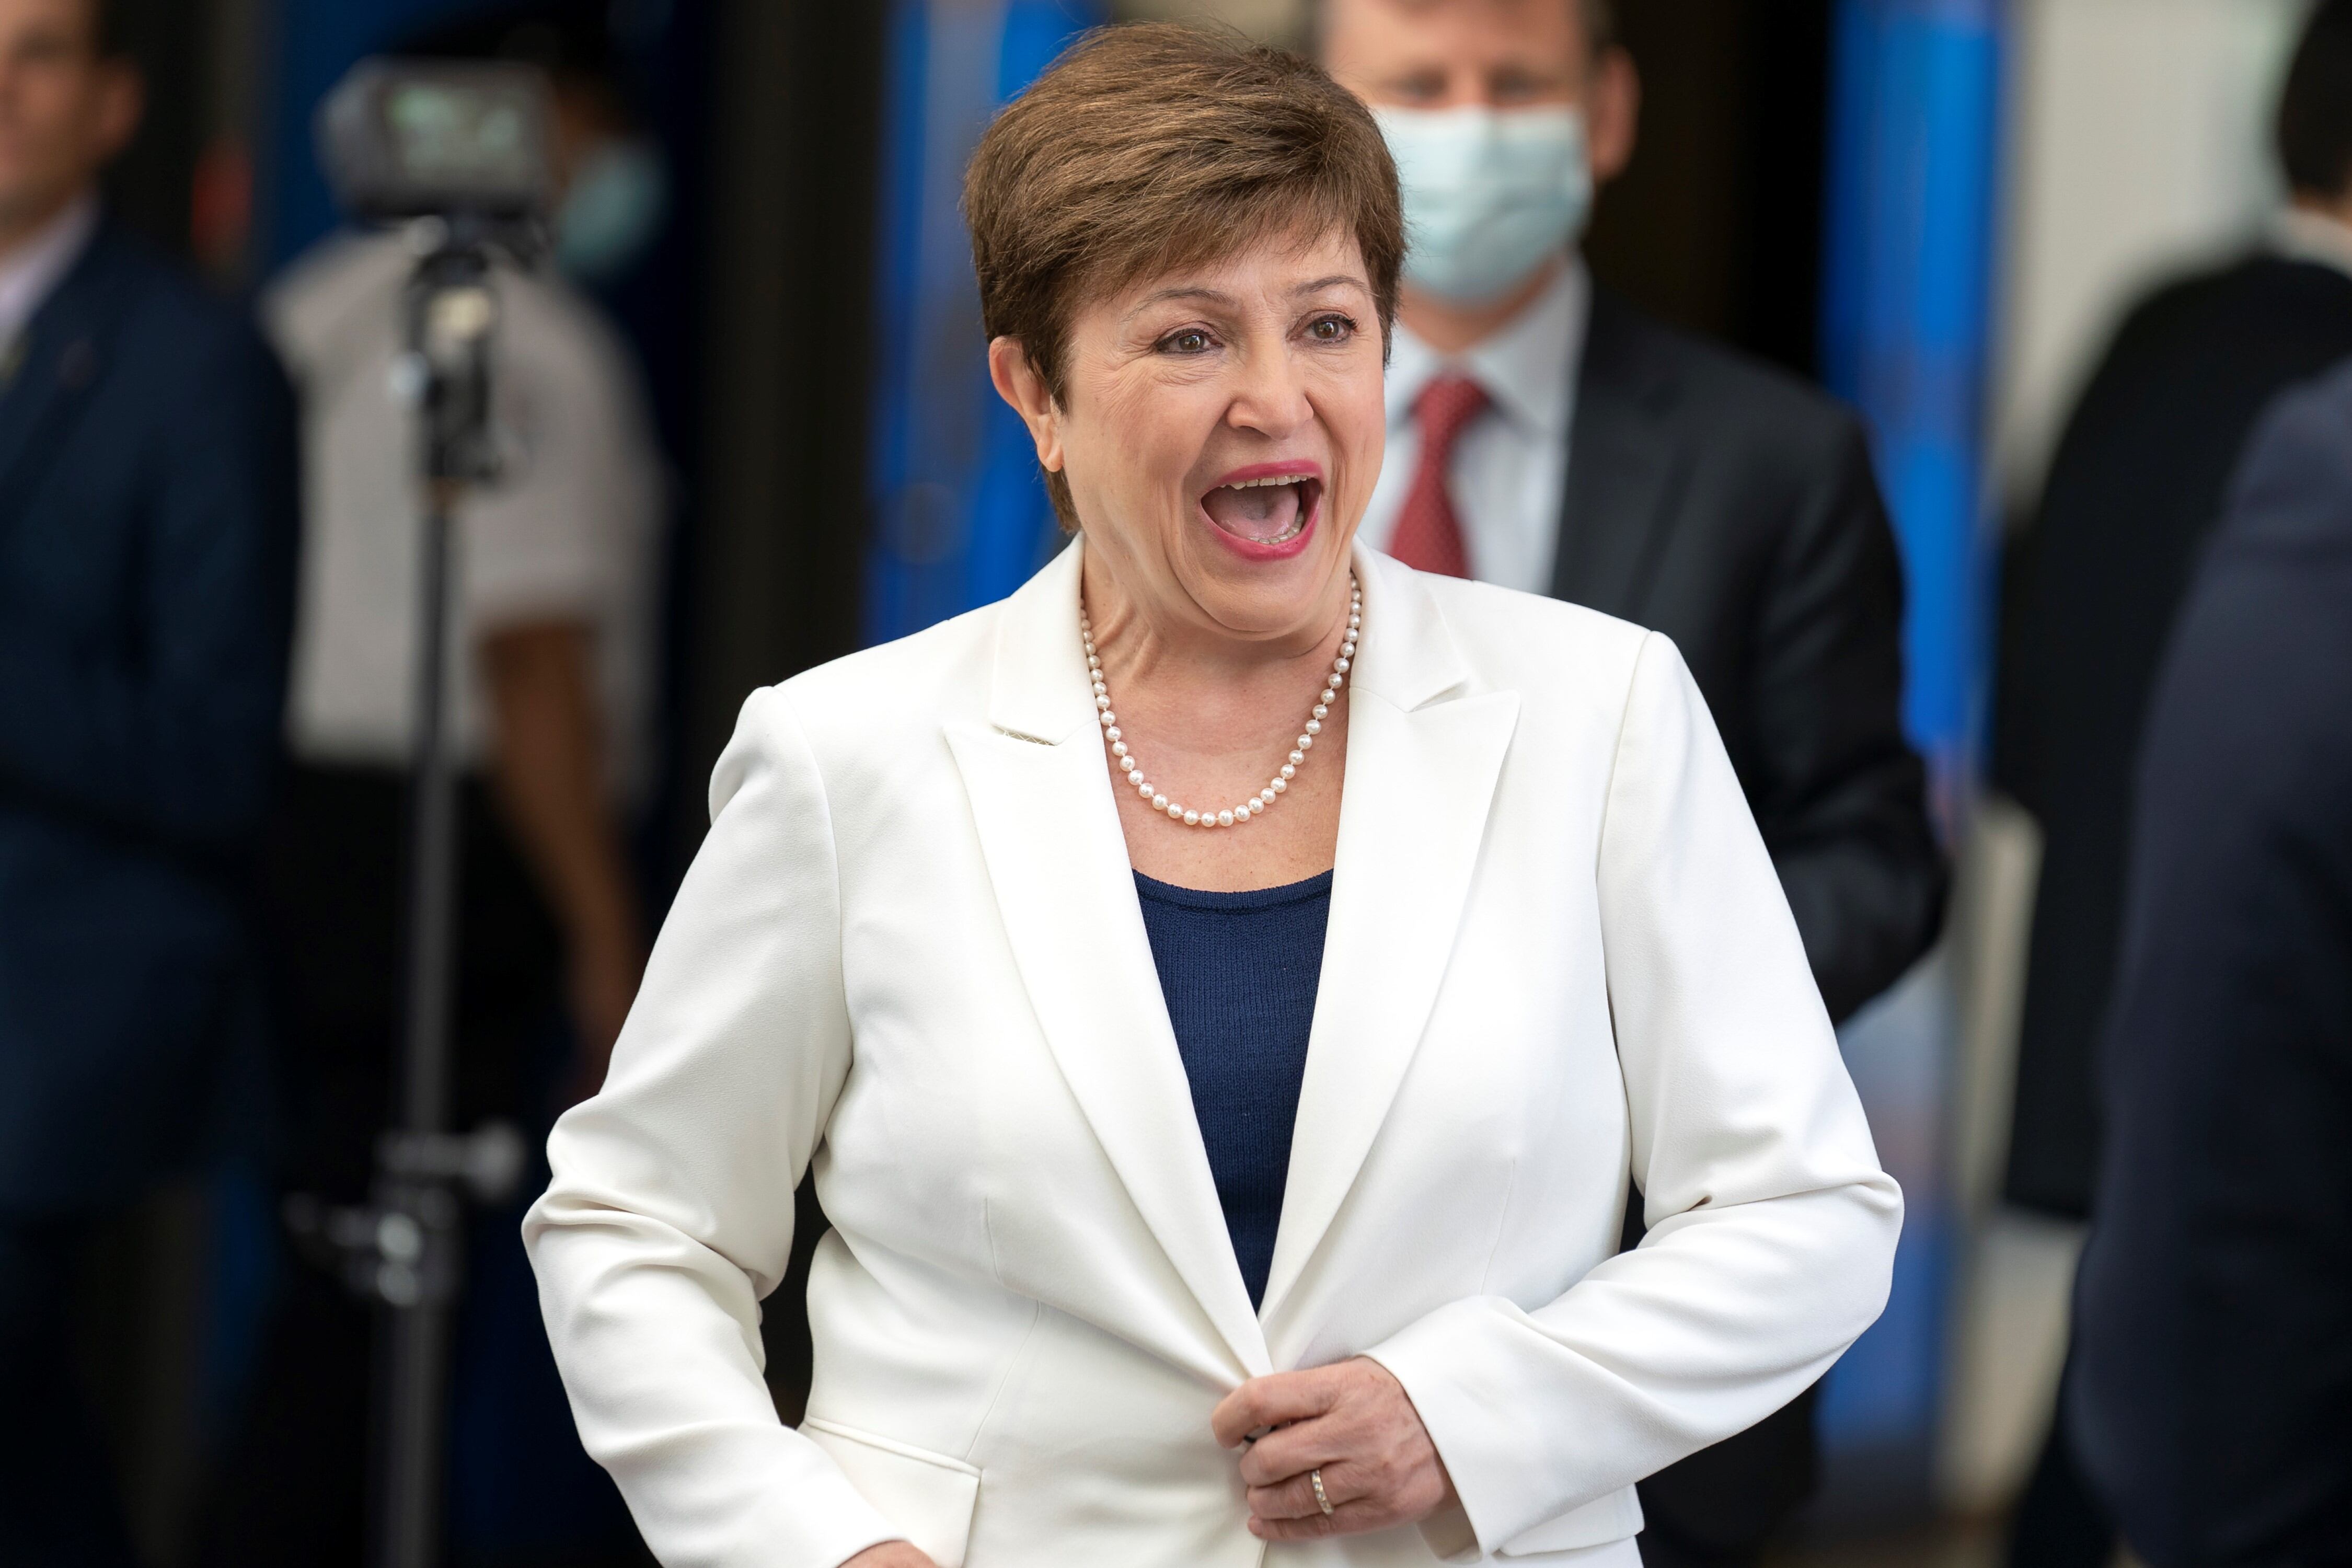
(1239, 973)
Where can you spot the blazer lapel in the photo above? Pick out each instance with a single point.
(1049, 830)
(54, 365)
(1623, 470)
(1422, 759)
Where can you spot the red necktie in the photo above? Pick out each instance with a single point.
(1428, 536)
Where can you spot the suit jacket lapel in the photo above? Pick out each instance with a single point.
(1049, 830)
(57, 360)
(1624, 470)
(1422, 759)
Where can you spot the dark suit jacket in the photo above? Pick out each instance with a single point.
(2136, 485)
(147, 537)
(2212, 1383)
(1734, 509)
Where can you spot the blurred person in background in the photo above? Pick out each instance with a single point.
(2212, 1381)
(1545, 435)
(147, 537)
(2137, 484)
(555, 571)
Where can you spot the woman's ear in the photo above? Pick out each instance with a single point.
(1018, 383)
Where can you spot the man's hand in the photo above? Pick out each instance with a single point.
(890, 1554)
(1355, 1423)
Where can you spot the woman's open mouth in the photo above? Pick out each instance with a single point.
(1265, 513)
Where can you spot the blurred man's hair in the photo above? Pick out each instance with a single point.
(1600, 16)
(2314, 120)
(1600, 25)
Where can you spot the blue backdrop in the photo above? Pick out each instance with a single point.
(1906, 322)
(959, 514)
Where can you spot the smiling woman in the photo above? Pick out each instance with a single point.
(1226, 1156)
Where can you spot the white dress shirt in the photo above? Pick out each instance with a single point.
(28, 275)
(1510, 465)
(568, 532)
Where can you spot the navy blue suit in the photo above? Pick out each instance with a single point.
(147, 537)
(2211, 1391)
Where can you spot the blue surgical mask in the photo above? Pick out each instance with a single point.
(612, 212)
(1489, 194)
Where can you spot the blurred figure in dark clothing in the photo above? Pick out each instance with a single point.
(2211, 1390)
(147, 537)
(2137, 484)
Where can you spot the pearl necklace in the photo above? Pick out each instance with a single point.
(1260, 802)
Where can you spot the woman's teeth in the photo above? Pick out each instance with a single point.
(1265, 512)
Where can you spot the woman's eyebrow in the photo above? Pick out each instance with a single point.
(1337, 281)
(1210, 296)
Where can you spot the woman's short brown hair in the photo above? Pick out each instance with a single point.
(1152, 146)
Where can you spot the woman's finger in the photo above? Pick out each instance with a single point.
(1345, 1519)
(1297, 1449)
(1294, 1497)
(1263, 1402)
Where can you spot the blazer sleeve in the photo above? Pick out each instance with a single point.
(671, 1212)
(1772, 1227)
(1838, 792)
(178, 744)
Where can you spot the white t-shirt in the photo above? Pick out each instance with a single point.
(569, 532)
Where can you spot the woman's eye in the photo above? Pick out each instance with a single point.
(1192, 341)
(1332, 329)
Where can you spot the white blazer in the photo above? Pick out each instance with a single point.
(910, 955)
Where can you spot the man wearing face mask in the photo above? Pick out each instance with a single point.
(1545, 435)
(555, 602)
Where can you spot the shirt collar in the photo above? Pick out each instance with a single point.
(1524, 367)
(2305, 235)
(32, 273)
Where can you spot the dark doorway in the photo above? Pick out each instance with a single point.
(1716, 226)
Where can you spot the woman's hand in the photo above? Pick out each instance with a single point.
(1356, 1424)
(890, 1554)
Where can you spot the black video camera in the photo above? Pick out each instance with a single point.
(461, 141)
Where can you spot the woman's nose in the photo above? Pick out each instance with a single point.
(1271, 398)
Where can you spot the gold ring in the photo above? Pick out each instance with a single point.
(1315, 1478)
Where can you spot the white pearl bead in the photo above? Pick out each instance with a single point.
(1290, 770)
(1322, 710)
(1224, 820)
(1305, 742)
(1315, 726)
(1191, 819)
(1112, 733)
(1159, 803)
(1265, 798)
(1278, 785)
(1101, 702)
(1296, 758)
(1106, 717)
(1341, 667)
(1142, 784)
(1118, 748)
